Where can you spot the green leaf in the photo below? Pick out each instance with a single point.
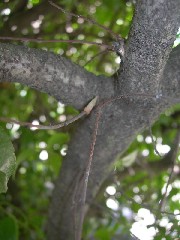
(126, 161)
(8, 228)
(7, 160)
(69, 110)
(58, 138)
(54, 162)
(3, 182)
(103, 233)
(129, 159)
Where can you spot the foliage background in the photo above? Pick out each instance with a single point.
(39, 154)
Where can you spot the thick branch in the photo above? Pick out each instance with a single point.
(119, 124)
(152, 34)
(146, 56)
(52, 74)
(66, 81)
(171, 77)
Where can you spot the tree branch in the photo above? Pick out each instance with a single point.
(172, 158)
(55, 75)
(150, 41)
(124, 119)
(170, 85)
(52, 74)
(85, 112)
(141, 72)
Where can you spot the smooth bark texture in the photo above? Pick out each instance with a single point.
(151, 37)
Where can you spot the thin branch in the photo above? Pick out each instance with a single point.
(174, 152)
(40, 40)
(169, 213)
(134, 236)
(90, 20)
(154, 143)
(96, 55)
(86, 111)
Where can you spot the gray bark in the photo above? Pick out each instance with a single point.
(152, 34)
(52, 74)
(145, 70)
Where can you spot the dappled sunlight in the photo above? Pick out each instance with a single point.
(64, 149)
(22, 170)
(140, 228)
(177, 214)
(42, 145)
(5, 12)
(127, 213)
(42, 118)
(49, 185)
(35, 122)
(177, 41)
(60, 108)
(13, 130)
(145, 153)
(23, 93)
(137, 199)
(36, 24)
(111, 190)
(62, 118)
(119, 21)
(135, 189)
(140, 138)
(43, 155)
(148, 139)
(112, 204)
(162, 149)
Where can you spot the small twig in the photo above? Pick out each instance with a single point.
(154, 143)
(98, 54)
(169, 213)
(86, 177)
(86, 111)
(90, 20)
(172, 156)
(134, 236)
(163, 200)
(152, 209)
(40, 40)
